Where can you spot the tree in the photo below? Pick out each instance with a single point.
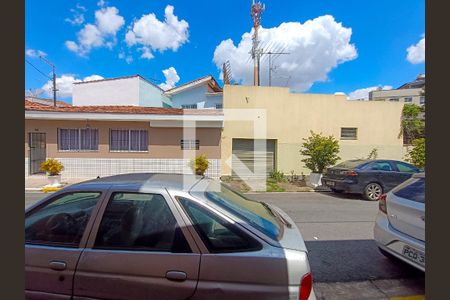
(320, 151)
(413, 123)
(416, 155)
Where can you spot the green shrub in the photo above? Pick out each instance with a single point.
(320, 151)
(272, 186)
(51, 166)
(277, 176)
(416, 155)
(199, 165)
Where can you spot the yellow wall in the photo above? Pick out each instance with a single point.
(291, 116)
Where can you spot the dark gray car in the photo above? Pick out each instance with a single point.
(161, 236)
(371, 178)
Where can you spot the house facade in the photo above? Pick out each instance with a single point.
(106, 140)
(359, 126)
(411, 92)
(202, 93)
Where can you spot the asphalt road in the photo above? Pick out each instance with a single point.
(338, 231)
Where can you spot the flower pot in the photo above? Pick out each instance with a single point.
(315, 179)
(54, 180)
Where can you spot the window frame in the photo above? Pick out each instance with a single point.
(189, 106)
(58, 139)
(129, 140)
(422, 100)
(201, 238)
(349, 138)
(173, 210)
(396, 163)
(410, 100)
(89, 225)
(196, 144)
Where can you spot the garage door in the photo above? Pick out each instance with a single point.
(248, 163)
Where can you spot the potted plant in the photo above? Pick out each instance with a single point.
(53, 169)
(320, 153)
(199, 165)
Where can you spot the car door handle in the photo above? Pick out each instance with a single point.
(57, 265)
(176, 275)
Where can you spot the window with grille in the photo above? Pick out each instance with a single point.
(219, 106)
(77, 139)
(422, 100)
(394, 99)
(348, 133)
(190, 144)
(128, 140)
(189, 106)
(408, 99)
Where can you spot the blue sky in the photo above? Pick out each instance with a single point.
(335, 46)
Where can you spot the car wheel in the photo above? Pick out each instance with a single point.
(373, 191)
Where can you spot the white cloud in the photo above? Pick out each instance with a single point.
(146, 53)
(128, 58)
(77, 15)
(101, 34)
(154, 34)
(315, 48)
(64, 84)
(364, 92)
(416, 53)
(171, 78)
(108, 20)
(34, 53)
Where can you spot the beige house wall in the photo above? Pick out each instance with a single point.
(163, 142)
(291, 116)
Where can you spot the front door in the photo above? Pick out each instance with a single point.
(137, 250)
(37, 144)
(55, 235)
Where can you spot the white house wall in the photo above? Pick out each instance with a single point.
(197, 96)
(124, 91)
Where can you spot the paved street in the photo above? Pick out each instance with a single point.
(338, 231)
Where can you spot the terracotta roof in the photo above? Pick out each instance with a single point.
(104, 109)
(33, 106)
(47, 101)
(212, 83)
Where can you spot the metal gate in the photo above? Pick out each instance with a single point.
(247, 159)
(37, 143)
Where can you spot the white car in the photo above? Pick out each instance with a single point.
(400, 226)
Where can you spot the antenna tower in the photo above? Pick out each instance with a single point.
(256, 11)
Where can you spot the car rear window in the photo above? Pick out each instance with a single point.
(350, 164)
(413, 190)
(255, 213)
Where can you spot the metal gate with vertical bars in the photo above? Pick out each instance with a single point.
(37, 144)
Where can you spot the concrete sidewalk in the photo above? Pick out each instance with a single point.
(36, 182)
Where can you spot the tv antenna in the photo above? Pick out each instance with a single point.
(256, 11)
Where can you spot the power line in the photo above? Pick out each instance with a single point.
(38, 69)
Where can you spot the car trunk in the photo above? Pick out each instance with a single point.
(336, 173)
(406, 216)
(291, 238)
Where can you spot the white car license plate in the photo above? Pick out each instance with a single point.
(414, 255)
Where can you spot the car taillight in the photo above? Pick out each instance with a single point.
(382, 203)
(305, 287)
(351, 173)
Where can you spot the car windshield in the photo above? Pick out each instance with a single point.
(257, 214)
(350, 164)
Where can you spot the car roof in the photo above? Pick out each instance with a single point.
(139, 181)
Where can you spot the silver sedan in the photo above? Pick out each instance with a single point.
(400, 226)
(162, 236)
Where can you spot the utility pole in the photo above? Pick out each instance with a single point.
(53, 77)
